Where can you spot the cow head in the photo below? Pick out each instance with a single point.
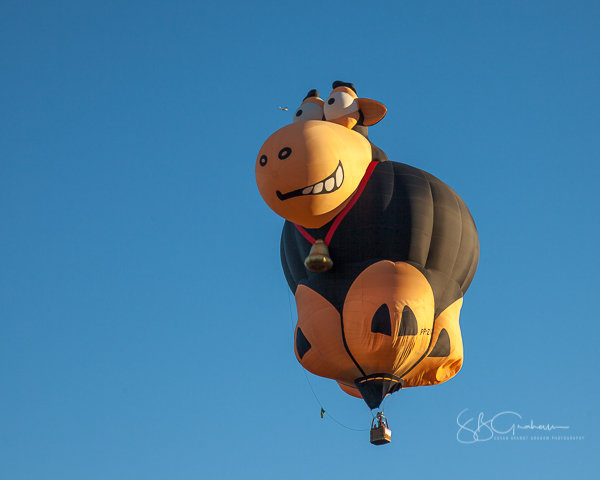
(308, 171)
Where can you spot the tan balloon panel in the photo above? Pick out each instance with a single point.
(350, 390)
(321, 325)
(397, 285)
(317, 149)
(437, 369)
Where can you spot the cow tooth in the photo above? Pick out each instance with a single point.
(339, 176)
(318, 187)
(307, 190)
(329, 184)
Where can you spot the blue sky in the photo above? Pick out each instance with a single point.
(146, 329)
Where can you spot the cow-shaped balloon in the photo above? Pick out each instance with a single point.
(377, 253)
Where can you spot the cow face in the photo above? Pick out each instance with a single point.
(308, 171)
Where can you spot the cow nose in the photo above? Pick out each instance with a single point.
(284, 153)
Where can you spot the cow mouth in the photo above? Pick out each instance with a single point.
(329, 185)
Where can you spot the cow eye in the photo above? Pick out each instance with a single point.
(339, 104)
(308, 111)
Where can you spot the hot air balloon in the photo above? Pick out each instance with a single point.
(378, 254)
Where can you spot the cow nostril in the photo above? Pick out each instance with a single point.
(263, 160)
(285, 153)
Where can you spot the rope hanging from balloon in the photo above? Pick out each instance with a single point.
(323, 411)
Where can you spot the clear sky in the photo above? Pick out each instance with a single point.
(146, 329)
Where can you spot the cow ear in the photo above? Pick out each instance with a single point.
(372, 110)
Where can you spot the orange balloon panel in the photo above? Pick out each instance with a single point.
(445, 354)
(388, 317)
(319, 343)
(353, 391)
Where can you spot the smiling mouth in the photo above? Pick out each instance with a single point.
(329, 185)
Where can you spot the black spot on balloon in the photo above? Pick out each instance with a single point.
(408, 323)
(263, 160)
(442, 346)
(302, 343)
(331, 101)
(381, 322)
